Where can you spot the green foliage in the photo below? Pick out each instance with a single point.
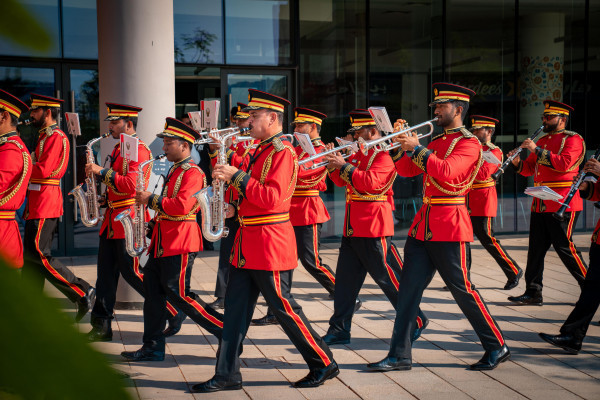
(43, 355)
(18, 25)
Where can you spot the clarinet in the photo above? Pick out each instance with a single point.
(560, 214)
(508, 161)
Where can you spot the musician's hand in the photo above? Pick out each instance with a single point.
(102, 200)
(529, 145)
(92, 169)
(592, 166)
(213, 146)
(584, 185)
(335, 160)
(515, 160)
(399, 124)
(224, 172)
(329, 146)
(142, 197)
(408, 142)
(229, 211)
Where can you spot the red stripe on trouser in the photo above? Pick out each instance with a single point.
(499, 248)
(390, 272)
(397, 256)
(572, 246)
(419, 322)
(138, 273)
(189, 300)
(484, 311)
(290, 311)
(47, 264)
(316, 253)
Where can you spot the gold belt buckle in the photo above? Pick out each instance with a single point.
(426, 200)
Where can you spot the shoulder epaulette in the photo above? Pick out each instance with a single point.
(186, 166)
(491, 146)
(466, 133)
(570, 133)
(278, 144)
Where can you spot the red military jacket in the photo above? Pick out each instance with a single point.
(368, 180)
(121, 183)
(593, 194)
(266, 240)
(51, 158)
(483, 199)
(175, 230)
(238, 155)
(555, 166)
(15, 171)
(449, 165)
(307, 207)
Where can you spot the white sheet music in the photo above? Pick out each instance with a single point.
(543, 192)
(488, 156)
(382, 119)
(305, 143)
(73, 123)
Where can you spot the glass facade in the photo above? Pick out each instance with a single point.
(337, 55)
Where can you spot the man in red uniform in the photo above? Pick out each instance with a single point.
(15, 170)
(574, 329)
(176, 238)
(307, 211)
(45, 206)
(441, 231)
(368, 228)
(120, 179)
(264, 252)
(238, 154)
(482, 201)
(553, 162)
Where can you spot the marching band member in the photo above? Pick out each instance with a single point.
(120, 179)
(441, 231)
(264, 253)
(368, 228)
(574, 329)
(553, 162)
(307, 211)
(45, 206)
(15, 170)
(176, 238)
(482, 202)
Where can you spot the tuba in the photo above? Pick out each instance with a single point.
(88, 199)
(135, 229)
(211, 199)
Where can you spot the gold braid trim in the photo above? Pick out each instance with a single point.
(196, 206)
(15, 188)
(267, 166)
(580, 160)
(382, 191)
(310, 183)
(62, 160)
(462, 187)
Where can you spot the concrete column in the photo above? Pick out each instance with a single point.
(136, 65)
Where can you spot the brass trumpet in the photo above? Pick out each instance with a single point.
(350, 146)
(381, 142)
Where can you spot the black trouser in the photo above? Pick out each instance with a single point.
(169, 277)
(482, 228)
(453, 261)
(224, 253)
(579, 320)
(113, 260)
(308, 242)
(359, 255)
(545, 230)
(40, 264)
(240, 301)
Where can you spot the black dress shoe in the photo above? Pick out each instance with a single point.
(357, 304)
(266, 320)
(144, 354)
(514, 282)
(336, 338)
(85, 304)
(100, 335)
(417, 332)
(391, 364)
(316, 377)
(525, 298)
(491, 359)
(175, 323)
(215, 385)
(218, 304)
(566, 342)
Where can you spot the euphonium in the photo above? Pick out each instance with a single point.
(88, 199)
(211, 199)
(135, 229)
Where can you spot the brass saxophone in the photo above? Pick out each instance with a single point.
(135, 228)
(88, 199)
(211, 199)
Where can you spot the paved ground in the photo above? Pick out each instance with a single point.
(441, 356)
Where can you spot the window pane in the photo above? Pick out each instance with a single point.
(46, 13)
(258, 32)
(198, 31)
(79, 29)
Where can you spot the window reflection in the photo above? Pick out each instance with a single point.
(80, 33)
(198, 31)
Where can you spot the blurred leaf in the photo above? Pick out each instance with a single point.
(44, 356)
(19, 26)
